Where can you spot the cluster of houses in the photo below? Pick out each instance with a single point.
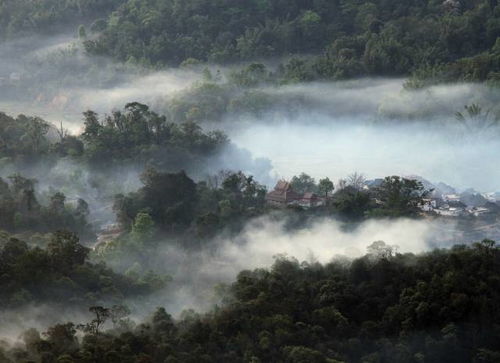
(443, 201)
(453, 205)
(446, 201)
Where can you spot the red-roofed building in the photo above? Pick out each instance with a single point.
(282, 195)
(309, 200)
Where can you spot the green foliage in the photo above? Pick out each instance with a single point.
(399, 197)
(458, 40)
(23, 137)
(143, 228)
(352, 203)
(25, 17)
(59, 274)
(350, 39)
(135, 134)
(139, 134)
(174, 203)
(170, 198)
(20, 210)
(325, 186)
(303, 183)
(474, 118)
(432, 307)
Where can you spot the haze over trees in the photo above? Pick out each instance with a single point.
(95, 221)
(383, 307)
(61, 272)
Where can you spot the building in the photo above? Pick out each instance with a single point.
(282, 195)
(451, 198)
(310, 200)
(480, 211)
(450, 212)
(428, 205)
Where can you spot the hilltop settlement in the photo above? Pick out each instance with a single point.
(432, 199)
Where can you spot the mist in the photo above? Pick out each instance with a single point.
(374, 126)
(327, 129)
(378, 128)
(196, 274)
(53, 78)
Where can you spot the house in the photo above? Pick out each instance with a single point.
(309, 200)
(479, 211)
(450, 212)
(282, 195)
(428, 205)
(451, 198)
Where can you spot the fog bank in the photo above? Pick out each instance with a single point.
(195, 274)
(335, 147)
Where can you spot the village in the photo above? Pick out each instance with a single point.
(443, 200)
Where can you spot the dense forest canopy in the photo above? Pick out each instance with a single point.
(444, 40)
(26, 17)
(155, 203)
(383, 307)
(350, 38)
(62, 272)
(134, 134)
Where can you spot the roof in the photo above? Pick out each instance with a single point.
(282, 192)
(283, 185)
(309, 195)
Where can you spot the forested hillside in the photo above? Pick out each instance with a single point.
(60, 272)
(349, 38)
(446, 40)
(27, 17)
(385, 307)
(249, 181)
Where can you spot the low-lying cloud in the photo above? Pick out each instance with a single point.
(195, 274)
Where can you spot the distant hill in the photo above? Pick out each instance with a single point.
(442, 40)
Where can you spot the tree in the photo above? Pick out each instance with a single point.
(143, 228)
(325, 186)
(65, 250)
(351, 203)
(169, 198)
(57, 203)
(36, 131)
(118, 313)
(101, 316)
(400, 196)
(303, 183)
(92, 126)
(82, 32)
(475, 119)
(379, 249)
(356, 180)
(62, 338)
(82, 208)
